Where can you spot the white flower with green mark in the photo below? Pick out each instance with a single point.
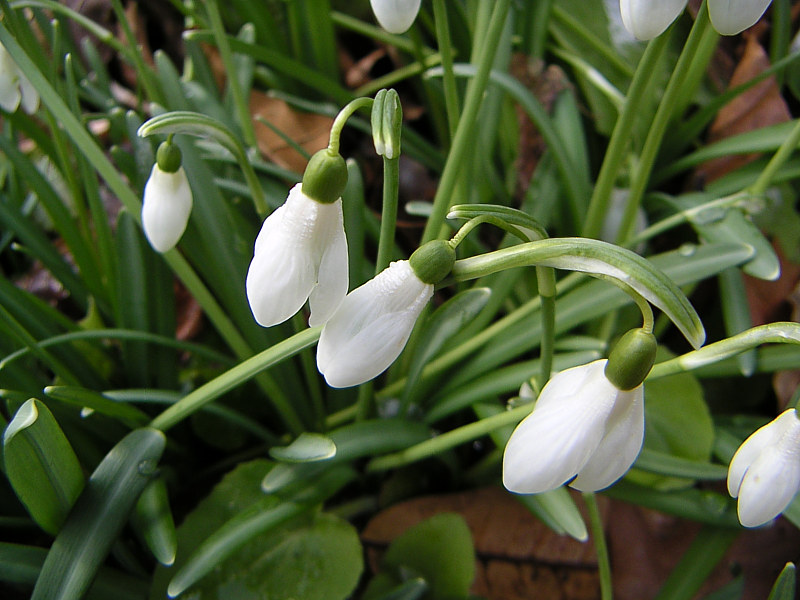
(301, 251)
(646, 19)
(15, 89)
(167, 201)
(587, 426)
(371, 327)
(395, 16)
(764, 474)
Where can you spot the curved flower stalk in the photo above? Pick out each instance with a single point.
(301, 251)
(15, 89)
(764, 474)
(647, 19)
(371, 327)
(587, 427)
(167, 201)
(395, 16)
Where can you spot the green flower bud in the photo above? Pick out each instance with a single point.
(631, 359)
(387, 123)
(325, 177)
(169, 157)
(433, 261)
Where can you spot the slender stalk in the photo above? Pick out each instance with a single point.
(600, 546)
(546, 280)
(241, 103)
(788, 146)
(620, 137)
(391, 187)
(451, 439)
(339, 122)
(661, 120)
(451, 102)
(145, 75)
(466, 124)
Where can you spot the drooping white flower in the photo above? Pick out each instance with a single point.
(166, 207)
(395, 16)
(647, 19)
(15, 89)
(764, 474)
(583, 430)
(730, 17)
(300, 254)
(371, 326)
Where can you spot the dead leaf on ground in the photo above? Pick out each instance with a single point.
(518, 557)
(310, 131)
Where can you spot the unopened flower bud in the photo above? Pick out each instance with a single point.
(387, 123)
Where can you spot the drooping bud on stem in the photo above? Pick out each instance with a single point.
(387, 123)
(631, 359)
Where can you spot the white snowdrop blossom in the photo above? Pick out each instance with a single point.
(583, 430)
(647, 19)
(395, 16)
(15, 89)
(166, 207)
(730, 17)
(764, 474)
(371, 326)
(300, 254)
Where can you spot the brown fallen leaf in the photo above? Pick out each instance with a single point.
(308, 130)
(518, 557)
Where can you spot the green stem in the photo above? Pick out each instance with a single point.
(451, 102)
(364, 404)
(545, 277)
(451, 439)
(237, 375)
(144, 73)
(599, 539)
(788, 146)
(391, 188)
(620, 137)
(339, 122)
(240, 102)
(661, 120)
(466, 125)
(538, 32)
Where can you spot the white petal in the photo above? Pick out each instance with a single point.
(371, 326)
(647, 19)
(730, 17)
(395, 16)
(166, 207)
(552, 444)
(754, 445)
(281, 274)
(30, 97)
(9, 87)
(769, 485)
(620, 446)
(333, 278)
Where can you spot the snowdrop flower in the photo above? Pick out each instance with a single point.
(167, 200)
(372, 325)
(15, 89)
(301, 251)
(646, 19)
(730, 17)
(587, 427)
(764, 474)
(395, 16)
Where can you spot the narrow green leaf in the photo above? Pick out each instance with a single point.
(85, 398)
(20, 565)
(558, 511)
(785, 584)
(153, 520)
(41, 465)
(98, 516)
(662, 463)
(599, 259)
(307, 447)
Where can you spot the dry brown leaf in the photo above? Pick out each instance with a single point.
(758, 107)
(309, 130)
(518, 557)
